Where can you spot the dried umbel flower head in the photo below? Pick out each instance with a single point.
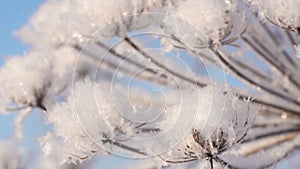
(221, 140)
(283, 13)
(23, 79)
(219, 127)
(212, 23)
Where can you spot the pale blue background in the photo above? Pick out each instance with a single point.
(14, 14)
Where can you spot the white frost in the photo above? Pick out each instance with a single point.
(211, 23)
(22, 77)
(284, 13)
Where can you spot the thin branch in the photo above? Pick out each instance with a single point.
(250, 81)
(289, 152)
(178, 161)
(271, 144)
(275, 40)
(265, 125)
(19, 122)
(114, 66)
(123, 146)
(250, 69)
(276, 106)
(211, 160)
(256, 73)
(157, 63)
(242, 96)
(112, 51)
(149, 130)
(16, 108)
(224, 163)
(275, 64)
(290, 37)
(261, 53)
(270, 134)
(286, 154)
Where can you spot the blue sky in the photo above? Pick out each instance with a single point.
(14, 14)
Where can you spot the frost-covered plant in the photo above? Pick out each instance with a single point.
(284, 13)
(90, 122)
(194, 83)
(213, 21)
(221, 125)
(22, 88)
(10, 156)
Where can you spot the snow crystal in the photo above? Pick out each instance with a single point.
(284, 13)
(222, 119)
(22, 78)
(10, 155)
(211, 23)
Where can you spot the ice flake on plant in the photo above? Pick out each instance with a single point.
(284, 13)
(10, 155)
(24, 78)
(222, 123)
(70, 142)
(211, 24)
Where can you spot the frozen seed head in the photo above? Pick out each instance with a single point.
(201, 21)
(24, 79)
(222, 123)
(283, 13)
